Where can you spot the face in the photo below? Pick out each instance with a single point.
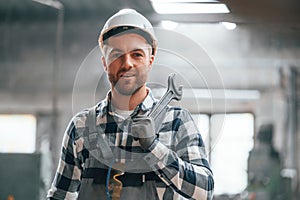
(127, 60)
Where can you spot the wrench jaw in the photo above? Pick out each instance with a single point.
(177, 92)
(171, 93)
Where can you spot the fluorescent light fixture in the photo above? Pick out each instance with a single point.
(51, 3)
(169, 25)
(184, 7)
(229, 25)
(185, 1)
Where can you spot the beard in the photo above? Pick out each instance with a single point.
(127, 91)
(127, 87)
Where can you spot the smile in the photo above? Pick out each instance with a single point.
(127, 75)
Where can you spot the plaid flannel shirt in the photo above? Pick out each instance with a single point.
(177, 156)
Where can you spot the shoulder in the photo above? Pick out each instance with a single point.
(177, 116)
(79, 119)
(179, 112)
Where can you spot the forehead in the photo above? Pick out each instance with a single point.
(127, 42)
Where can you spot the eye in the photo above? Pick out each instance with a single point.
(137, 54)
(115, 55)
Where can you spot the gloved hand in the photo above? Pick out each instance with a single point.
(142, 127)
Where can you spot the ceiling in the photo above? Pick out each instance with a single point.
(242, 11)
(267, 37)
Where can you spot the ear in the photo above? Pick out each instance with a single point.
(104, 63)
(151, 60)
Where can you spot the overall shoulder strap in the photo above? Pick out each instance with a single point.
(102, 144)
(91, 119)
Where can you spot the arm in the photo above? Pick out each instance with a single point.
(67, 178)
(185, 167)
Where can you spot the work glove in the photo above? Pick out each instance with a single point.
(143, 128)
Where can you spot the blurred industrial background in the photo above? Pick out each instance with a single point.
(239, 67)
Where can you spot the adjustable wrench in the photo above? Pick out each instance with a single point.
(171, 93)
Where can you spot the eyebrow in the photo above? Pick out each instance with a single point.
(134, 50)
(115, 50)
(139, 49)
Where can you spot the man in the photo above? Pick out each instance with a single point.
(114, 150)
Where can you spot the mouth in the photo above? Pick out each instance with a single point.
(127, 75)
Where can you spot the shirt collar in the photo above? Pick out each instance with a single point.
(148, 101)
(145, 105)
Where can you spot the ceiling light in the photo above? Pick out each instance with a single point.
(185, 1)
(184, 7)
(52, 3)
(229, 25)
(169, 25)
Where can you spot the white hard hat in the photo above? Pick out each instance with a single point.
(128, 20)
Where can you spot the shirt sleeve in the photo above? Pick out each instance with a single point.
(184, 167)
(67, 178)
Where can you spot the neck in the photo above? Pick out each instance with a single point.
(124, 102)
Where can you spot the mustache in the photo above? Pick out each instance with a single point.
(122, 71)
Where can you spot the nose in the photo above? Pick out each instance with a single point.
(127, 61)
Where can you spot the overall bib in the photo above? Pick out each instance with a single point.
(136, 186)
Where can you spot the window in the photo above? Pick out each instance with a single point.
(17, 133)
(228, 139)
(202, 122)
